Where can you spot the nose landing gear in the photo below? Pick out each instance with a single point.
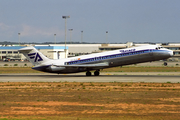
(165, 64)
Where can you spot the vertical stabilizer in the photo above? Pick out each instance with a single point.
(33, 55)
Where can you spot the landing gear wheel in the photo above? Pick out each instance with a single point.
(88, 73)
(96, 73)
(165, 63)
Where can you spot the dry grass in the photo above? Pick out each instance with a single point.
(4, 70)
(87, 101)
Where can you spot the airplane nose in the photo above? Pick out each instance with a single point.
(171, 53)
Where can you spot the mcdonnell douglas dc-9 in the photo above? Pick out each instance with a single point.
(96, 61)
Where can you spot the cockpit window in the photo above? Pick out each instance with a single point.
(159, 48)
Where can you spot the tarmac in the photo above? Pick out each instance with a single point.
(157, 77)
(152, 77)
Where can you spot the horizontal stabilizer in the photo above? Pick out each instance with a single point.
(26, 49)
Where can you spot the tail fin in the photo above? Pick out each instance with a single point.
(33, 55)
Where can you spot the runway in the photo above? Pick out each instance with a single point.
(163, 77)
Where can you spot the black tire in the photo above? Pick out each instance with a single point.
(88, 73)
(165, 63)
(96, 73)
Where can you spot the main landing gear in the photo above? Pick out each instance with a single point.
(88, 73)
(96, 73)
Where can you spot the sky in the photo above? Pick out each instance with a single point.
(125, 20)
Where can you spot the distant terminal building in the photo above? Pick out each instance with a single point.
(172, 46)
(83, 49)
(57, 51)
(11, 53)
(175, 48)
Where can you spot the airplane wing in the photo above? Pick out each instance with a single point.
(84, 65)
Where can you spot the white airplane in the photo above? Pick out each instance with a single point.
(96, 61)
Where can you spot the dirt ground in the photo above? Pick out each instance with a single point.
(87, 101)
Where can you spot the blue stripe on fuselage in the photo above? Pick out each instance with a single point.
(106, 57)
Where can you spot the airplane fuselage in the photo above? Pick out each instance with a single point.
(109, 59)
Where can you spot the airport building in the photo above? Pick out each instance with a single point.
(10, 53)
(57, 51)
(83, 49)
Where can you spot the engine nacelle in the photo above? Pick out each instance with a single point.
(55, 68)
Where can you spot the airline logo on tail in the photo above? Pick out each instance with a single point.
(35, 56)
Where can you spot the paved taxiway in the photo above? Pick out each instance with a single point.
(162, 77)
